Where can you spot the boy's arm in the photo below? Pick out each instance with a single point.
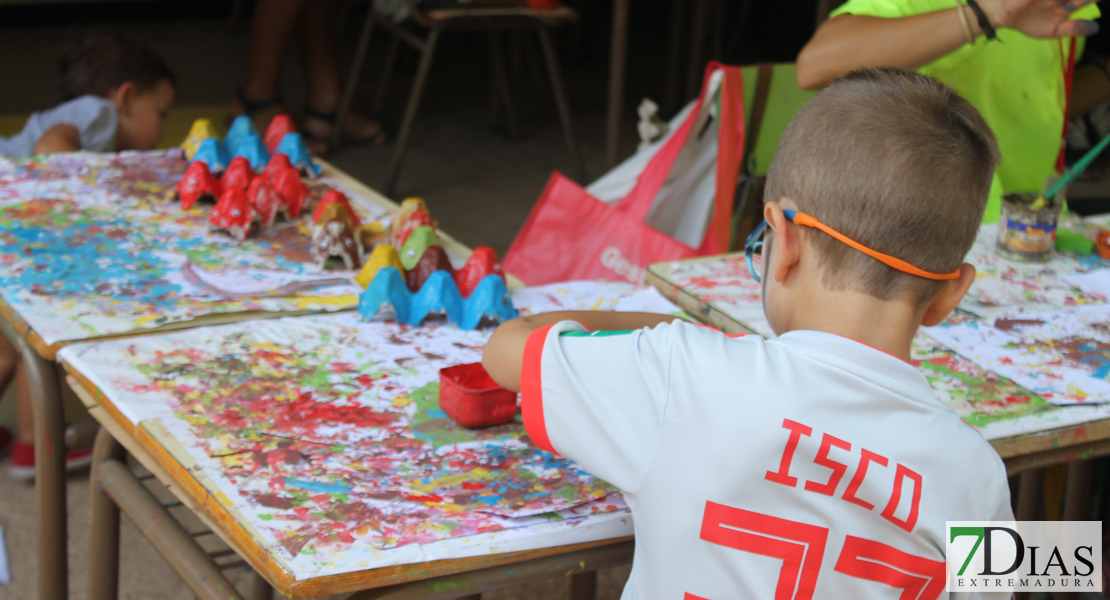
(504, 354)
(59, 138)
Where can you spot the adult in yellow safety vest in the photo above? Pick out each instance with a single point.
(1013, 59)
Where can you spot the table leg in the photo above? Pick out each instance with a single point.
(583, 586)
(1077, 494)
(50, 468)
(1029, 495)
(191, 563)
(617, 60)
(260, 589)
(104, 528)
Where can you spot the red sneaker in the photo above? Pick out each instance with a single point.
(22, 463)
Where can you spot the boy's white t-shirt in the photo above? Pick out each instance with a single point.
(811, 466)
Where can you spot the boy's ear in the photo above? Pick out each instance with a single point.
(123, 97)
(950, 295)
(787, 243)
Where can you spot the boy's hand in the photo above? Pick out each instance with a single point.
(503, 357)
(59, 138)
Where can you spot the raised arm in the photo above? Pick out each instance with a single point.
(503, 357)
(848, 42)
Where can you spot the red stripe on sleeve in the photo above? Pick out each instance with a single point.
(531, 389)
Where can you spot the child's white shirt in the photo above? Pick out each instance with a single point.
(696, 428)
(95, 119)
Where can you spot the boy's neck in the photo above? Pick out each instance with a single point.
(887, 325)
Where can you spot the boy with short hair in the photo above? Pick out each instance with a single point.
(115, 94)
(819, 464)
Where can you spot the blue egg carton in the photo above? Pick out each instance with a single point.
(439, 294)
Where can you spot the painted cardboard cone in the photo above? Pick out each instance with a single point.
(335, 197)
(408, 207)
(437, 295)
(434, 259)
(201, 130)
(212, 153)
(238, 175)
(292, 145)
(232, 213)
(279, 126)
(381, 257)
(264, 201)
(420, 240)
(198, 184)
(411, 222)
(387, 287)
(292, 190)
(241, 127)
(277, 164)
(336, 237)
(489, 300)
(251, 148)
(482, 262)
(473, 399)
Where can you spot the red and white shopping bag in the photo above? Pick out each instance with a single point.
(687, 186)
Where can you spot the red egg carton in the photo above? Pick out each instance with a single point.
(472, 398)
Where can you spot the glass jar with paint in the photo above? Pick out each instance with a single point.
(1027, 229)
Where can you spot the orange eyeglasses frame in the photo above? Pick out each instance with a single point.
(754, 242)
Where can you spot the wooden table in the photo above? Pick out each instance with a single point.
(1051, 436)
(38, 360)
(114, 487)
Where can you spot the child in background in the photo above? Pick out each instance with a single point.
(818, 464)
(115, 94)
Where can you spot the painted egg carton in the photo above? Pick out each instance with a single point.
(418, 279)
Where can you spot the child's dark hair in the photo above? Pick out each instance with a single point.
(101, 62)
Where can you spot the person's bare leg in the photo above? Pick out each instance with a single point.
(273, 25)
(325, 89)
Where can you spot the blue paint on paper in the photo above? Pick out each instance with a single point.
(318, 486)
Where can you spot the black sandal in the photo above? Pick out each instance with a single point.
(253, 107)
(384, 135)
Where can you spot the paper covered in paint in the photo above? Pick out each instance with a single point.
(93, 245)
(1001, 283)
(1063, 355)
(325, 433)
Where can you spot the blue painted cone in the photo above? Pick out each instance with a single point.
(212, 153)
(252, 149)
(240, 128)
(292, 145)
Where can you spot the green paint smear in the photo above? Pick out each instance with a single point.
(446, 432)
(990, 394)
